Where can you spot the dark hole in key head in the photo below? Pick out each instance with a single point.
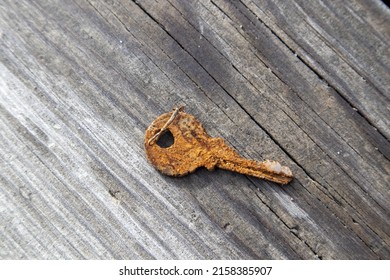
(166, 139)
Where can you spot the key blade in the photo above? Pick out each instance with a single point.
(269, 170)
(227, 158)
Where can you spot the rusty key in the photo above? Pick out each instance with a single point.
(193, 148)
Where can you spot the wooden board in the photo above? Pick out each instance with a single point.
(306, 83)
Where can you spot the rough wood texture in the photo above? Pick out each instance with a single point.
(304, 82)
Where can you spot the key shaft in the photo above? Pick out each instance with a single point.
(225, 157)
(269, 170)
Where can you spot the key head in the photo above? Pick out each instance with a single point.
(191, 149)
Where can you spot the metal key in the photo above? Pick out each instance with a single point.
(193, 148)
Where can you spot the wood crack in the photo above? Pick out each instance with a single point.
(321, 77)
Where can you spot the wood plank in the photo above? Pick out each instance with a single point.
(303, 82)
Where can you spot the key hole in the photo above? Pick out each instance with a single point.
(166, 140)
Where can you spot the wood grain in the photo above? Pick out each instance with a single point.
(306, 83)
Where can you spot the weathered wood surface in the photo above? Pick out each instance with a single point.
(303, 82)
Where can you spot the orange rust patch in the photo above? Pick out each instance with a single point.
(193, 148)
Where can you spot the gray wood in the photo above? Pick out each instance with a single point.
(303, 82)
